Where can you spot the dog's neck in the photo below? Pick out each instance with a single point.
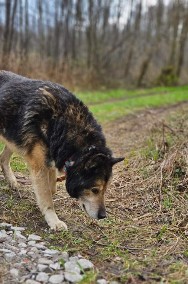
(73, 137)
(70, 162)
(69, 148)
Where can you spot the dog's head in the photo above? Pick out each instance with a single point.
(88, 178)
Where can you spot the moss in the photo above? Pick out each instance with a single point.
(167, 77)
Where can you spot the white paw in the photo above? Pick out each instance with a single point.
(13, 184)
(58, 226)
(10, 177)
(53, 221)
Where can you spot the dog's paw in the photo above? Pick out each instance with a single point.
(58, 226)
(53, 221)
(10, 178)
(13, 184)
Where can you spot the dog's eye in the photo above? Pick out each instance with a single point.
(95, 190)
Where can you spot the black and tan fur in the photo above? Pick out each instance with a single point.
(54, 131)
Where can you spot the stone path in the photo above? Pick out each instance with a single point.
(27, 259)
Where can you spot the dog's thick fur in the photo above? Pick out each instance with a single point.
(53, 130)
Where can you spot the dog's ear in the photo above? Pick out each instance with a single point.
(95, 161)
(116, 160)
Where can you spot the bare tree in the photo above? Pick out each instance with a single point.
(154, 45)
(182, 42)
(5, 53)
(114, 41)
(12, 28)
(133, 37)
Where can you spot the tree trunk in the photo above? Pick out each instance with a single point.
(133, 37)
(26, 35)
(12, 26)
(175, 24)
(6, 34)
(183, 38)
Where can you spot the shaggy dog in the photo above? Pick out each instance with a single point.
(54, 131)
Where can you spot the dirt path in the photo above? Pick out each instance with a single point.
(126, 133)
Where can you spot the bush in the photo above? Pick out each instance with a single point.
(167, 77)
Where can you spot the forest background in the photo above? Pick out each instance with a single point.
(92, 44)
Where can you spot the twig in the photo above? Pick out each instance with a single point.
(171, 248)
(120, 247)
(168, 127)
(160, 187)
(163, 133)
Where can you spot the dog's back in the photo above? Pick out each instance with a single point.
(7, 76)
(34, 107)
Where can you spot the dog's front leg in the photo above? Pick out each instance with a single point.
(53, 180)
(5, 165)
(40, 180)
(44, 198)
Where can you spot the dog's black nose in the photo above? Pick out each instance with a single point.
(102, 214)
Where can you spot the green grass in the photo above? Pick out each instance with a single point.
(110, 105)
(1, 147)
(17, 163)
(94, 97)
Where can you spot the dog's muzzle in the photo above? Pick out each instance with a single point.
(92, 211)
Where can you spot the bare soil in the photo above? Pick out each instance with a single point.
(144, 238)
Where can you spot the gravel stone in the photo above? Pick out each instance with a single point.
(10, 256)
(12, 248)
(45, 261)
(23, 252)
(18, 235)
(40, 246)
(42, 277)
(31, 243)
(5, 250)
(34, 249)
(17, 228)
(3, 236)
(22, 245)
(71, 266)
(5, 225)
(30, 281)
(73, 258)
(34, 237)
(48, 270)
(9, 232)
(31, 253)
(101, 281)
(51, 251)
(41, 267)
(73, 276)
(85, 264)
(56, 279)
(17, 265)
(55, 266)
(14, 272)
(65, 255)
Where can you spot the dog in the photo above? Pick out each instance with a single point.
(54, 132)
